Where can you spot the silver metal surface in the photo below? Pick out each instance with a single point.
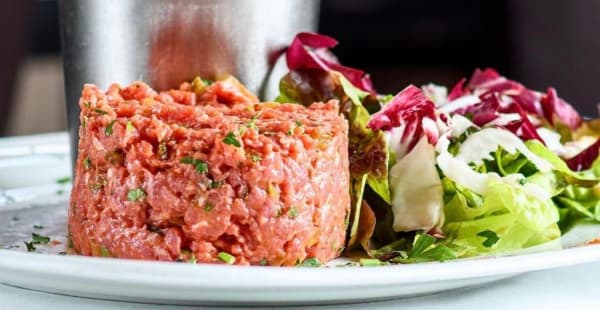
(164, 42)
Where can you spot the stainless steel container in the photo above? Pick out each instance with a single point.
(164, 42)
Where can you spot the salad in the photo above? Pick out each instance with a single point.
(486, 167)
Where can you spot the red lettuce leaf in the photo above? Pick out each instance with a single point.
(483, 77)
(548, 106)
(523, 128)
(490, 81)
(311, 51)
(490, 108)
(481, 113)
(556, 109)
(411, 108)
(585, 158)
(458, 90)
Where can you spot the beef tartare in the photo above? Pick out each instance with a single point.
(208, 173)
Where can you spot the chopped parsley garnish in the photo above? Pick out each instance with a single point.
(64, 180)
(252, 122)
(39, 239)
(208, 206)
(263, 262)
(135, 194)
(231, 140)
(215, 184)
(129, 127)
(87, 163)
(348, 264)
(293, 212)
(241, 131)
(87, 104)
(30, 246)
(255, 158)
(201, 167)
(109, 129)
(84, 122)
(38, 227)
(193, 259)
(370, 262)
(104, 252)
(226, 258)
(490, 238)
(101, 112)
(99, 184)
(35, 239)
(297, 124)
(162, 150)
(310, 262)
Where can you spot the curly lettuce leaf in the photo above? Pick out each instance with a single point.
(505, 219)
(498, 192)
(580, 201)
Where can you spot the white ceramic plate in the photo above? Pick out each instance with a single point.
(45, 207)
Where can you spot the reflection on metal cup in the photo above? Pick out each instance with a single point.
(166, 42)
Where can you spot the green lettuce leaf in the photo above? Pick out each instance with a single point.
(425, 248)
(579, 199)
(415, 247)
(508, 219)
(368, 148)
(506, 202)
(584, 179)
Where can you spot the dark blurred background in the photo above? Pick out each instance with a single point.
(538, 42)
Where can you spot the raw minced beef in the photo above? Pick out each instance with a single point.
(192, 173)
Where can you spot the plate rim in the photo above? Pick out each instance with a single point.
(200, 275)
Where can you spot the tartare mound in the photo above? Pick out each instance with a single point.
(208, 174)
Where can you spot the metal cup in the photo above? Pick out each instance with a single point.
(165, 42)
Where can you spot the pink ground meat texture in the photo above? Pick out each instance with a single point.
(179, 175)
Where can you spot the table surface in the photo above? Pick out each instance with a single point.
(575, 287)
